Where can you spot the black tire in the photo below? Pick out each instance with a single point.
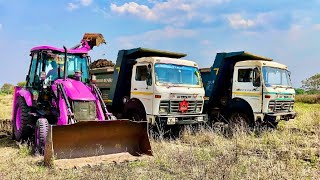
(241, 119)
(22, 123)
(136, 115)
(41, 133)
(273, 124)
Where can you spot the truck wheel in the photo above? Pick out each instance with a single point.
(136, 115)
(273, 124)
(22, 122)
(241, 119)
(41, 135)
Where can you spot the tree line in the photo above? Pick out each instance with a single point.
(310, 85)
(8, 88)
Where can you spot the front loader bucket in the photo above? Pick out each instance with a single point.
(94, 39)
(109, 139)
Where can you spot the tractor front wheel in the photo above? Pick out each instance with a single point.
(22, 122)
(41, 135)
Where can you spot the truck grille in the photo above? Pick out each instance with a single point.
(277, 106)
(84, 110)
(173, 106)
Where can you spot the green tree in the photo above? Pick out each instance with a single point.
(299, 91)
(7, 88)
(312, 83)
(22, 83)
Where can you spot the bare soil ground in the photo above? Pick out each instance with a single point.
(292, 151)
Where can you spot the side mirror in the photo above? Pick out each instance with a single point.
(256, 77)
(149, 76)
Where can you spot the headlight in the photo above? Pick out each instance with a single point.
(163, 110)
(271, 108)
(198, 109)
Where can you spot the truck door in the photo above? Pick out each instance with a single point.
(247, 86)
(142, 85)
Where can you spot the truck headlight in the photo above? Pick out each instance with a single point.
(198, 109)
(163, 110)
(271, 108)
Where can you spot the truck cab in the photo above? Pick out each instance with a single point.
(251, 86)
(155, 86)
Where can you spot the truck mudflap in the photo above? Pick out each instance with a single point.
(182, 119)
(107, 140)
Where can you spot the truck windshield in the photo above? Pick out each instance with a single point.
(177, 74)
(75, 63)
(275, 76)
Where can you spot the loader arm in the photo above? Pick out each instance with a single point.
(65, 98)
(104, 107)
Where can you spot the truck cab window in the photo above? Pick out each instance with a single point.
(245, 75)
(141, 73)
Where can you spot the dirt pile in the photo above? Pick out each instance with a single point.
(100, 63)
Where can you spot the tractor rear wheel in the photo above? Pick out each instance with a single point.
(41, 135)
(22, 122)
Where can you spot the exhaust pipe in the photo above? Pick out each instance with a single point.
(65, 63)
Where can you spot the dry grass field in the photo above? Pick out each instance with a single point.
(292, 151)
(5, 106)
(308, 98)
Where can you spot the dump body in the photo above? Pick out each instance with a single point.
(224, 85)
(124, 91)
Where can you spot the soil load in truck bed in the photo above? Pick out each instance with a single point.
(100, 63)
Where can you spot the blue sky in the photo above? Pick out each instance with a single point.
(286, 30)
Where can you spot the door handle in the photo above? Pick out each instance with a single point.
(135, 89)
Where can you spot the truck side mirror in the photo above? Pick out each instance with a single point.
(256, 77)
(149, 76)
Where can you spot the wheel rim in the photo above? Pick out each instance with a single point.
(18, 118)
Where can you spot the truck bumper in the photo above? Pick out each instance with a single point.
(182, 119)
(276, 117)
